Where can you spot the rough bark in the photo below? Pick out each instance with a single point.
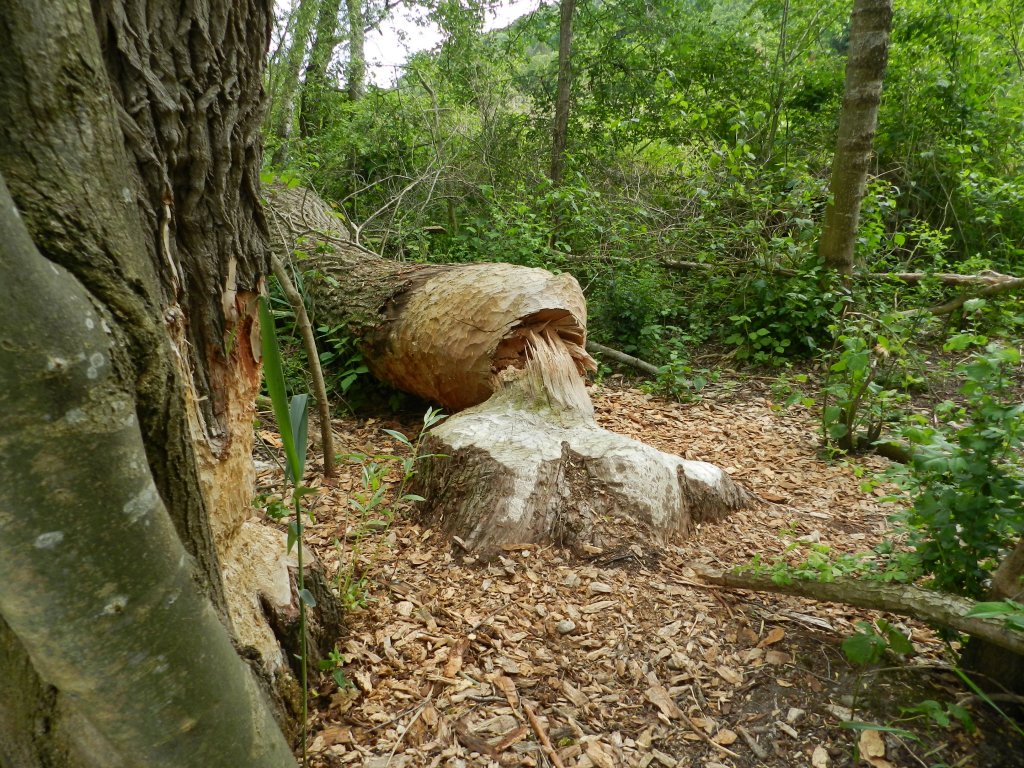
(441, 332)
(132, 152)
(865, 69)
(563, 88)
(985, 657)
(94, 572)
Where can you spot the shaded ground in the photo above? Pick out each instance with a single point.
(626, 658)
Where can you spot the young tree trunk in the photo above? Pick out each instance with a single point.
(562, 91)
(315, 84)
(131, 148)
(355, 70)
(285, 80)
(865, 69)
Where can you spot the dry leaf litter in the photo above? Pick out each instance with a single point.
(622, 659)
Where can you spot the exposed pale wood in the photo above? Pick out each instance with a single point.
(907, 600)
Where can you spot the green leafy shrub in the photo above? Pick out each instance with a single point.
(967, 483)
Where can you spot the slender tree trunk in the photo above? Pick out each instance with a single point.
(562, 92)
(995, 668)
(355, 71)
(865, 69)
(287, 77)
(315, 84)
(131, 148)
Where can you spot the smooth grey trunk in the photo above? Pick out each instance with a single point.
(286, 79)
(94, 574)
(865, 70)
(562, 92)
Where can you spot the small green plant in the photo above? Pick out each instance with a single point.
(868, 372)
(376, 502)
(292, 422)
(967, 478)
(335, 664)
(678, 378)
(869, 644)
(942, 715)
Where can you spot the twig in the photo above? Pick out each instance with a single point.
(542, 735)
(705, 737)
(756, 748)
(622, 357)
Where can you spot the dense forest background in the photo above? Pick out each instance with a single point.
(698, 154)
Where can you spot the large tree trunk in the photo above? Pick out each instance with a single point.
(524, 460)
(865, 69)
(131, 147)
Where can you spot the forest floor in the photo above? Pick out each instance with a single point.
(629, 660)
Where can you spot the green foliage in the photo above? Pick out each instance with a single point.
(782, 316)
(376, 502)
(868, 373)
(869, 644)
(1008, 611)
(967, 484)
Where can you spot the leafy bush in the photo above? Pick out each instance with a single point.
(968, 478)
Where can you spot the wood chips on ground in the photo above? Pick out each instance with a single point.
(623, 659)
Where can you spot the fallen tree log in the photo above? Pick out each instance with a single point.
(523, 460)
(935, 608)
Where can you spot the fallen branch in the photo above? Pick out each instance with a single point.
(622, 357)
(542, 735)
(903, 599)
(988, 278)
(1003, 286)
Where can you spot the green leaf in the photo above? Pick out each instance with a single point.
(293, 535)
(398, 436)
(298, 413)
(273, 374)
(863, 648)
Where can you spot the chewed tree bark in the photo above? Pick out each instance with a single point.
(523, 460)
(530, 464)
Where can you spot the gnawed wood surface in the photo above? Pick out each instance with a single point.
(531, 465)
(523, 460)
(439, 331)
